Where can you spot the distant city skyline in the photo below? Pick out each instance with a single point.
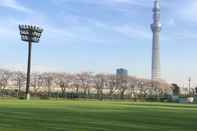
(101, 36)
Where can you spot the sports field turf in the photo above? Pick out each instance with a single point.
(53, 115)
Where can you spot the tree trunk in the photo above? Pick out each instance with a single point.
(19, 89)
(49, 91)
(122, 94)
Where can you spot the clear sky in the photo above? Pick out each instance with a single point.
(100, 36)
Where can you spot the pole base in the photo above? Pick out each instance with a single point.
(28, 96)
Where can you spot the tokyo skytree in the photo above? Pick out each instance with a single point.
(156, 28)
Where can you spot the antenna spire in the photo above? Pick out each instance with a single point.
(157, 4)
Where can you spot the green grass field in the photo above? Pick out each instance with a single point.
(54, 115)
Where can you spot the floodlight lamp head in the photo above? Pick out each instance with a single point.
(30, 33)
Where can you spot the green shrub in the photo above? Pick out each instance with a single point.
(21, 97)
(44, 97)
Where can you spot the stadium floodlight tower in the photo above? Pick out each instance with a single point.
(30, 34)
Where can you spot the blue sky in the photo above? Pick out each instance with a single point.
(100, 36)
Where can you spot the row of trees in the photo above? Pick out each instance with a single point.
(178, 91)
(85, 84)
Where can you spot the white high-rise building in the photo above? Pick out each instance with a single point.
(156, 28)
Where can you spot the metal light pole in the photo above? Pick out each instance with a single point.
(189, 85)
(29, 34)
